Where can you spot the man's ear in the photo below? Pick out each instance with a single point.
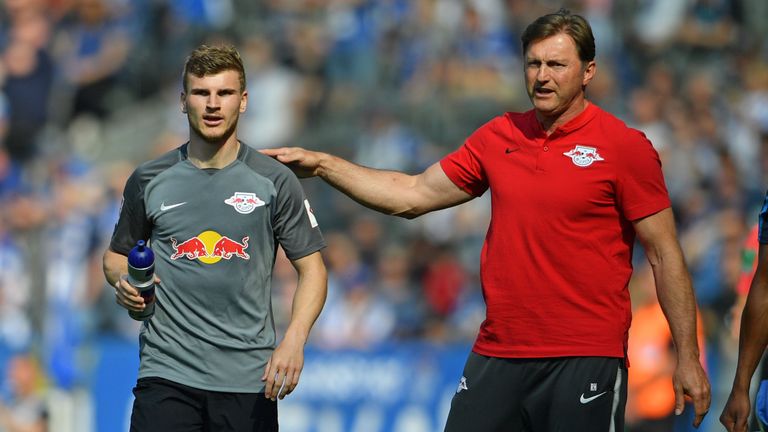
(244, 102)
(183, 102)
(589, 72)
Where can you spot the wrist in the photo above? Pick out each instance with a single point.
(323, 162)
(741, 383)
(686, 356)
(297, 334)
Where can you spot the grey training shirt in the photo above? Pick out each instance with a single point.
(215, 235)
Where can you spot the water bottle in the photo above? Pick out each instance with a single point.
(141, 274)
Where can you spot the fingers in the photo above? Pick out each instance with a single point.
(271, 377)
(701, 407)
(679, 398)
(293, 382)
(272, 151)
(728, 422)
(279, 385)
(696, 386)
(127, 296)
(699, 418)
(267, 370)
(702, 398)
(275, 387)
(735, 416)
(738, 424)
(283, 154)
(280, 382)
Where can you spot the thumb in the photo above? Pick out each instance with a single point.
(266, 370)
(679, 398)
(272, 151)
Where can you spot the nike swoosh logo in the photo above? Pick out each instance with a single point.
(584, 400)
(164, 207)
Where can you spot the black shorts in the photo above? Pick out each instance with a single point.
(540, 395)
(166, 406)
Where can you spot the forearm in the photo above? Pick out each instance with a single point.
(385, 191)
(389, 192)
(308, 300)
(753, 336)
(114, 266)
(673, 283)
(675, 294)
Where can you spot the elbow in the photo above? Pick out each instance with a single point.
(410, 209)
(409, 213)
(105, 265)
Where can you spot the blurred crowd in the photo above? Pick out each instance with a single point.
(89, 89)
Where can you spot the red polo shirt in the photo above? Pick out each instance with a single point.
(557, 256)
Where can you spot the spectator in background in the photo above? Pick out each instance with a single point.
(72, 255)
(706, 32)
(354, 314)
(28, 75)
(26, 409)
(92, 50)
(753, 337)
(400, 293)
(277, 110)
(387, 142)
(15, 290)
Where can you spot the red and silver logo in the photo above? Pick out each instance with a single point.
(583, 156)
(244, 202)
(209, 247)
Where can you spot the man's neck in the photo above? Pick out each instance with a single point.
(205, 154)
(551, 123)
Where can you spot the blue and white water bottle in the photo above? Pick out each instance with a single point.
(141, 274)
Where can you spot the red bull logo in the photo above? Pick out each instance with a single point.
(244, 202)
(209, 247)
(583, 156)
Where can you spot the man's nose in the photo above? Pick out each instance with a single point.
(543, 74)
(212, 102)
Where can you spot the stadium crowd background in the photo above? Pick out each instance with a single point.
(89, 88)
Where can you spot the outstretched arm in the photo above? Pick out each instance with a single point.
(675, 293)
(389, 192)
(285, 365)
(753, 338)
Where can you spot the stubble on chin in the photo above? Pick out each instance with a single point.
(213, 137)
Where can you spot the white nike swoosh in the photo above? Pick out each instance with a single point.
(584, 400)
(164, 207)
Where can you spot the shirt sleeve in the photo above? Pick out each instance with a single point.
(295, 224)
(464, 166)
(132, 225)
(640, 188)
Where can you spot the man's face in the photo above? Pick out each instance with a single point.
(213, 104)
(554, 74)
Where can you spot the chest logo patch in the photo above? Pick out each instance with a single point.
(209, 247)
(244, 202)
(583, 156)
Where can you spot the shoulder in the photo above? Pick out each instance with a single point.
(262, 164)
(515, 121)
(268, 168)
(148, 170)
(506, 125)
(611, 125)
